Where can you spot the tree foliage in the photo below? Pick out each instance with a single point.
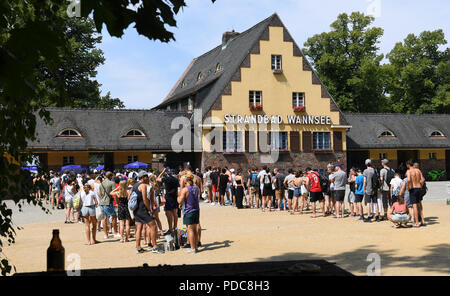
(347, 62)
(33, 45)
(77, 70)
(418, 75)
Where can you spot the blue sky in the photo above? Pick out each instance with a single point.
(141, 72)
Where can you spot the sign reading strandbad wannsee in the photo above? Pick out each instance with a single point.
(277, 119)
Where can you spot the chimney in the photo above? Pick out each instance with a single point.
(227, 36)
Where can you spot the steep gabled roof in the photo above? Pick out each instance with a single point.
(232, 57)
(410, 130)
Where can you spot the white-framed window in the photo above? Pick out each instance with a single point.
(232, 141)
(321, 141)
(276, 62)
(132, 158)
(190, 104)
(387, 133)
(135, 133)
(68, 160)
(382, 156)
(183, 83)
(278, 140)
(432, 155)
(69, 133)
(219, 67)
(199, 76)
(437, 134)
(298, 99)
(179, 106)
(255, 97)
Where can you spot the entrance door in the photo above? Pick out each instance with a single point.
(109, 161)
(405, 155)
(447, 163)
(357, 159)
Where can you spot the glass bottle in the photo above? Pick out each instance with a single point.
(55, 254)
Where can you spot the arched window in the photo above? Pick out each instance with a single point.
(69, 133)
(199, 76)
(387, 133)
(135, 133)
(218, 67)
(437, 133)
(183, 84)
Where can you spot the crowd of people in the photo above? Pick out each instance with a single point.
(128, 203)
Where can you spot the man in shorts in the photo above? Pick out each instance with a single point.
(415, 183)
(290, 187)
(315, 190)
(279, 187)
(171, 184)
(215, 185)
(359, 194)
(386, 175)
(253, 188)
(371, 195)
(339, 178)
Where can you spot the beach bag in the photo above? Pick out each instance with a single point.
(77, 201)
(254, 181)
(389, 176)
(375, 181)
(99, 214)
(132, 202)
(266, 179)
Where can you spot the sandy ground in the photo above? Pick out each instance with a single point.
(232, 235)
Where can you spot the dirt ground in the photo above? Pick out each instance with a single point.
(232, 235)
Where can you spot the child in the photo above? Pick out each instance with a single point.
(399, 213)
(396, 185)
(359, 194)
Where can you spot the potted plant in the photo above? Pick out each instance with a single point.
(299, 109)
(256, 107)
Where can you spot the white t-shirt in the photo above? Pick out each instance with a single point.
(88, 199)
(397, 182)
(261, 173)
(291, 186)
(331, 176)
(97, 191)
(68, 194)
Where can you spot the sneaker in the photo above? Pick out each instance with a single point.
(199, 244)
(150, 245)
(377, 219)
(191, 251)
(213, 203)
(360, 218)
(186, 246)
(140, 251)
(106, 237)
(156, 251)
(117, 235)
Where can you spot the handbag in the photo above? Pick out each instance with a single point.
(99, 214)
(132, 202)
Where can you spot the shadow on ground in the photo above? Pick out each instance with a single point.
(436, 260)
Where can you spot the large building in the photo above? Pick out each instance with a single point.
(252, 100)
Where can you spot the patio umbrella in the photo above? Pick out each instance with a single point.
(32, 169)
(137, 165)
(99, 168)
(77, 169)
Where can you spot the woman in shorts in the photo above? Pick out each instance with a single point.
(297, 183)
(89, 202)
(399, 213)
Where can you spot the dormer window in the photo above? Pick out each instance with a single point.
(387, 133)
(183, 84)
(135, 133)
(190, 104)
(199, 76)
(437, 134)
(218, 67)
(69, 133)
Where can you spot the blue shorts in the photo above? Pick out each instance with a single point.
(297, 192)
(109, 211)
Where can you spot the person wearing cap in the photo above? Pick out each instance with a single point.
(370, 192)
(386, 175)
(171, 185)
(339, 178)
(331, 205)
(143, 214)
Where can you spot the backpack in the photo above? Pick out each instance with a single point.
(132, 202)
(375, 181)
(423, 190)
(389, 176)
(324, 182)
(267, 179)
(254, 182)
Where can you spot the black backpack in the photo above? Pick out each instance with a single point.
(324, 182)
(389, 176)
(423, 190)
(375, 181)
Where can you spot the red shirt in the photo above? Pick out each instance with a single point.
(314, 181)
(114, 198)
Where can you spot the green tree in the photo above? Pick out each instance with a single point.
(418, 76)
(347, 62)
(77, 70)
(33, 37)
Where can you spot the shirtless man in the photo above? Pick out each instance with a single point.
(415, 184)
(198, 183)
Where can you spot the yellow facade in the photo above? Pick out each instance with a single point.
(56, 158)
(424, 153)
(277, 90)
(391, 154)
(121, 158)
